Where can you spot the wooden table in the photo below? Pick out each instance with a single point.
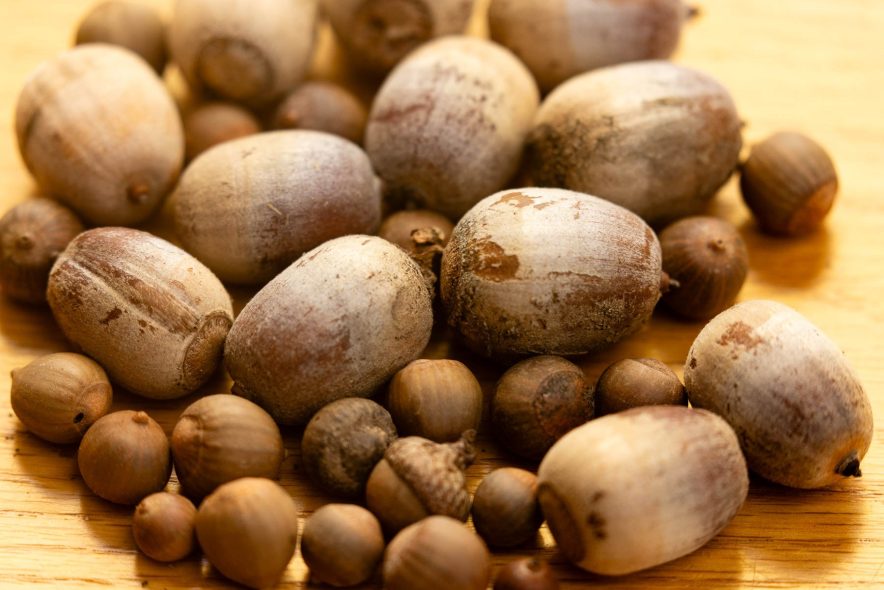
(811, 65)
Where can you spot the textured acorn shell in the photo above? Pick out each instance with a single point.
(337, 323)
(151, 314)
(558, 39)
(59, 396)
(97, 129)
(657, 138)
(448, 125)
(249, 208)
(547, 271)
(223, 437)
(377, 34)
(250, 51)
(32, 235)
(133, 25)
(323, 106)
(798, 407)
(248, 529)
(642, 487)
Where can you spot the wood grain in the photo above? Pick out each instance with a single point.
(809, 65)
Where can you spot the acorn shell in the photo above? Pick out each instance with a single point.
(630, 383)
(660, 483)
(337, 323)
(249, 208)
(322, 106)
(399, 227)
(547, 271)
(654, 137)
(133, 25)
(505, 509)
(32, 235)
(242, 50)
(98, 129)
(216, 122)
(164, 526)
(342, 545)
(448, 125)
(223, 437)
(151, 314)
(59, 396)
(798, 407)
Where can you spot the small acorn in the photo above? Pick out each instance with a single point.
(790, 183)
(505, 508)
(400, 226)
(32, 235)
(342, 544)
(708, 260)
(223, 437)
(629, 383)
(536, 402)
(437, 399)
(214, 123)
(248, 529)
(417, 478)
(437, 553)
(59, 396)
(528, 573)
(134, 25)
(164, 526)
(125, 457)
(343, 442)
(322, 106)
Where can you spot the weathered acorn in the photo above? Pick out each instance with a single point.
(505, 508)
(32, 235)
(59, 396)
(558, 40)
(661, 482)
(527, 573)
(657, 138)
(342, 544)
(151, 314)
(133, 25)
(417, 478)
(97, 129)
(437, 399)
(400, 227)
(322, 106)
(448, 125)
(248, 529)
(343, 442)
(124, 457)
(630, 383)
(708, 259)
(251, 207)
(241, 50)
(789, 182)
(216, 122)
(223, 437)
(164, 526)
(437, 553)
(548, 271)
(377, 34)
(799, 409)
(536, 402)
(337, 323)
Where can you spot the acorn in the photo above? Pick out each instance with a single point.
(32, 235)
(630, 383)
(342, 544)
(164, 526)
(417, 478)
(124, 457)
(528, 573)
(708, 260)
(399, 227)
(216, 122)
(505, 508)
(59, 396)
(322, 106)
(790, 184)
(133, 25)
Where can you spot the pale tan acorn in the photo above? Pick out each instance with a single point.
(134, 25)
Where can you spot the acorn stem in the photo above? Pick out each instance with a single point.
(849, 466)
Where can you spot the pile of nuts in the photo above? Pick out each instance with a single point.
(365, 227)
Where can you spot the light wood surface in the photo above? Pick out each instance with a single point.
(810, 65)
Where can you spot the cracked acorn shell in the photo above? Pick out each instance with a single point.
(660, 482)
(242, 50)
(97, 128)
(797, 406)
(657, 138)
(249, 208)
(150, 313)
(549, 271)
(337, 323)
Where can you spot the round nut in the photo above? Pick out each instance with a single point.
(505, 509)
(342, 544)
(630, 383)
(164, 526)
